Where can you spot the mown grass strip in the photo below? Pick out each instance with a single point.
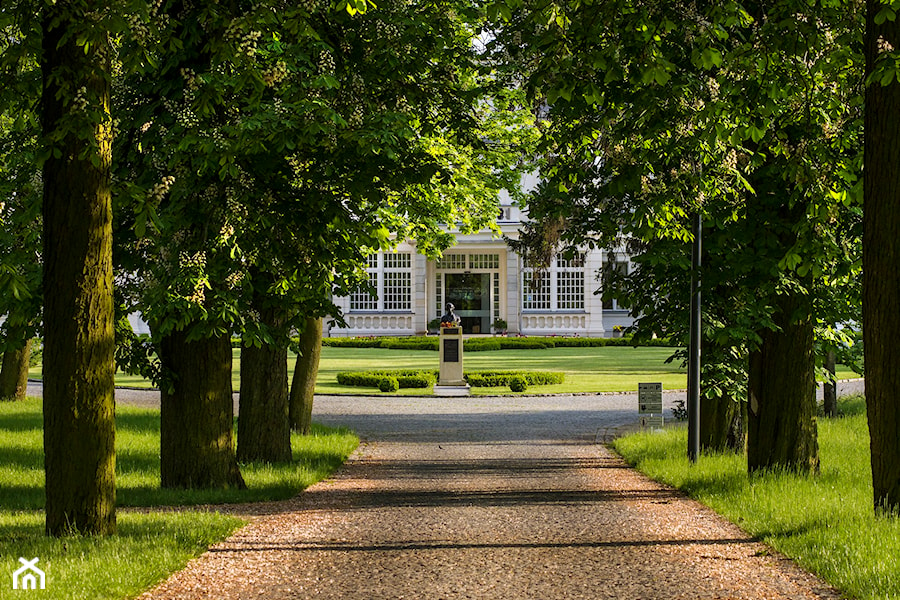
(825, 522)
(149, 545)
(587, 369)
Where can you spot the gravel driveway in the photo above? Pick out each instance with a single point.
(486, 497)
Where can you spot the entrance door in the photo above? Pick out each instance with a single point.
(470, 293)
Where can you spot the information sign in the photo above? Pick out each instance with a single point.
(650, 398)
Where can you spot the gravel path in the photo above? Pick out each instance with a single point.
(491, 497)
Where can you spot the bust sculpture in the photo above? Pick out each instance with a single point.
(450, 318)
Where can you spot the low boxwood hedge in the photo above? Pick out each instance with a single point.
(405, 378)
(353, 342)
(411, 343)
(427, 378)
(388, 384)
(486, 344)
(503, 378)
(517, 383)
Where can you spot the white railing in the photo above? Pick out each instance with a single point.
(376, 325)
(548, 323)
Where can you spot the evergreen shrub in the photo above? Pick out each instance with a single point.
(388, 384)
(517, 383)
(503, 378)
(363, 342)
(405, 378)
(486, 344)
(527, 343)
(411, 343)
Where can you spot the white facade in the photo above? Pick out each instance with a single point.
(485, 281)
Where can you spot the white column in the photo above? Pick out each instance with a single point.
(513, 292)
(421, 274)
(593, 303)
(342, 302)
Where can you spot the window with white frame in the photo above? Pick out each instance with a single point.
(484, 261)
(452, 261)
(561, 287)
(390, 276)
(613, 268)
(570, 283)
(535, 290)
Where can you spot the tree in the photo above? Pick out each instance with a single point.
(881, 287)
(654, 112)
(282, 147)
(79, 407)
(192, 413)
(264, 431)
(303, 385)
(20, 204)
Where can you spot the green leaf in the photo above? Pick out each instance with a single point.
(140, 224)
(885, 14)
(710, 57)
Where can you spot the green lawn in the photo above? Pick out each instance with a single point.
(824, 522)
(149, 545)
(607, 369)
(599, 369)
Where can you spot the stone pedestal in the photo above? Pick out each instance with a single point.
(451, 381)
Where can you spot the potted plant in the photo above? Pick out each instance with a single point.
(434, 325)
(499, 326)
(617, 331)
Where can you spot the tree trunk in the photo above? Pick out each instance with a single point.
(303, 385)
(197, 414)
(881, 264)
(782, 411)
(264, 431)
(79, 405)
(14, 373)
(829, 389)
(721, 424)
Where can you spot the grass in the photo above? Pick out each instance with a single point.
(825, 522)
(588, 370)
(606, 369)
(149, 545)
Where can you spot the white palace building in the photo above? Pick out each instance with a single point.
(485, 281)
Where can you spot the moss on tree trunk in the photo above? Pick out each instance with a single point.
(79, 406)
(881, 264)
(306, 369)
(14, 372)
(721, 424)
(264, 431)
(782, 401)
(197, 414)
(829, 389)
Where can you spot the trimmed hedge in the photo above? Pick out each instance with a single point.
(405, 378)
(481, 344)
(388, 384)
(426, 378)
(527, 343)
(411, 343)
(517, 383)
(487, 344)
(503, 378)
(353, 342)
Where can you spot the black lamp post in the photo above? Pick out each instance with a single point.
(693, 399)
